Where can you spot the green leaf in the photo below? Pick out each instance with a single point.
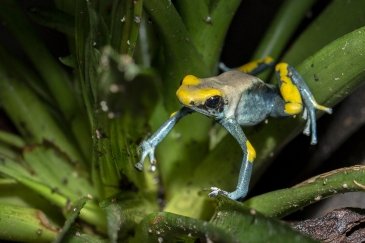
(169, 227)
(283, 202)
(322, 30)
(11, 139)
(90, 35)
(114, 214)
(125, 21)
(91, 213)
(60, 174)
(247, 225)
(181, 56)
(53, 19)
(16, 194)
(20, 103)
(124, 212)
(70, 219)
(82, 238)
(47, 66)
(25, 225)
(119, 118)
(207, 23)
(26, 74)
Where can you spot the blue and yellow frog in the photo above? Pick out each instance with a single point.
(236, 98)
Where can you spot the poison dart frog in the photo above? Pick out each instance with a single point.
(236, 98)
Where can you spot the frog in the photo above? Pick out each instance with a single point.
(237, 98)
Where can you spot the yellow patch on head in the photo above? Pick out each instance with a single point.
(190, 80)
(189, 96)
(251, 152)
(289, 91)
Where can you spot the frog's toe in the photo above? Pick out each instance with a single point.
(323, 108)
(145, 149)
(139, 166)
(215, 191)
(306, 130)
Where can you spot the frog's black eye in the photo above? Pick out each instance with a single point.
(214, 102)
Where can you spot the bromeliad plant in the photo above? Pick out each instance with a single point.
(67, 161)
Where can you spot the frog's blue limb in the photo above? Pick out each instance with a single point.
(235, 130)
(257, 66)
(148, 146)
(223, 67)
(295, 92)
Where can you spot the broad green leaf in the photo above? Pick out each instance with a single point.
(53, 19)
(11, 139)
(110, 84)
(207, 23)
(82, 238)
(25, 224)
(168, 227)
(20, 103)
(16, 194)
(337, 19)
(120, 118)
(124, 212)
(125, 21)
(53, 75)
(60, 173)
(113, 214)
(71, 216)
(247, 225)
(90, 213)
(23, 72)
(181, 56)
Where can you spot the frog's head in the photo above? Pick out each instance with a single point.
(216, 97)
(202, 96)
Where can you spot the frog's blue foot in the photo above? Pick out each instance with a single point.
(297, 96)
(146, 149)
(309, 115)
(242, 185)
(235, 195)
(215, 191)
(148, 146)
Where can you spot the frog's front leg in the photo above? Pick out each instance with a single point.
(148, 146)
(253, 68)
(249, 155)
(294, 90)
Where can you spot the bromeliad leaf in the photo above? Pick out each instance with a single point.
(247, 225)
(71, 216)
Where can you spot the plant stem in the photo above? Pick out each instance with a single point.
(283, 202)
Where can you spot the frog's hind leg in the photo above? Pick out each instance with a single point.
(296, 94)
(253, 68)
